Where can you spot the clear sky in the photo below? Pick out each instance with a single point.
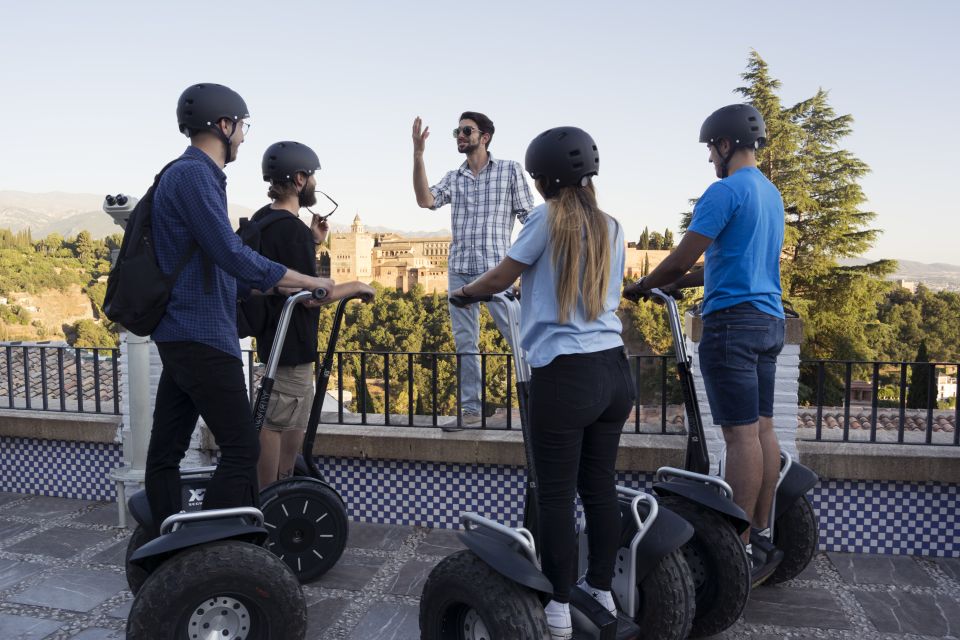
(88, 93)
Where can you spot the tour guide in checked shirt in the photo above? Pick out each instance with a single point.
(197, 337)
(486, 195)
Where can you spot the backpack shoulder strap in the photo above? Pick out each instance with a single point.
(274, 215)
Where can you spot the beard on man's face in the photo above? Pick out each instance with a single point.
(467, 148)
(307, 197)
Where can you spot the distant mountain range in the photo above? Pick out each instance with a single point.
(70, 213)
(937, 275)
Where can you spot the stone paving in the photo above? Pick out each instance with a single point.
(61, 576)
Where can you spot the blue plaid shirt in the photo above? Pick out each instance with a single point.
(483, 209)
(190, 203)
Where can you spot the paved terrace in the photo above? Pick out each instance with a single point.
(61, 576)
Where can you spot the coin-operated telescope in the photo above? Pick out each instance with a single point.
(119, 207)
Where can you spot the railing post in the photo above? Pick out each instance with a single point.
(138, 393)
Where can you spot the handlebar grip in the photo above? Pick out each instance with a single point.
(464, 301)
(320, 293)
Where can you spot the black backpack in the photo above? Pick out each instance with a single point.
(137, 290)
(253, 313)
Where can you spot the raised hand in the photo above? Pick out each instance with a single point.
(420, 135)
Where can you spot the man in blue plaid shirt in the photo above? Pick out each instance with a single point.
(486, 195)
(197, 337)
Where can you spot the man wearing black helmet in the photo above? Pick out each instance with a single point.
(739, 224)
(197, 337)
(290, 168)
(486, 195)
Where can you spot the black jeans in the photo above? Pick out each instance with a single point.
(578, 404)
(198, 380)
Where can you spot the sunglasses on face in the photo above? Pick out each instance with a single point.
(467, 131)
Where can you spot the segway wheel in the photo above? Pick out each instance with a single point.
(307, 525)
(718, 564)
(796, 534)
(668, 599)
(464, 599)
(136, 575)
(225, 589)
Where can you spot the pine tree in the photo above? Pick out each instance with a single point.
(819, 182)
(644, 239)
(667, 239)
(646, 264)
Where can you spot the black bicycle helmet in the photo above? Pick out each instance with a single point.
(201, 106)
(562, 157)
(741, 124)
(282, 160)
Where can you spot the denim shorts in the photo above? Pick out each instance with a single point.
(738, 358)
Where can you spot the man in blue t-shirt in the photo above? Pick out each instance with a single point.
(738, 226)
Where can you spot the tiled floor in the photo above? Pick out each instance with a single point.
(61, 576)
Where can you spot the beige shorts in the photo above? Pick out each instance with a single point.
(291, 398)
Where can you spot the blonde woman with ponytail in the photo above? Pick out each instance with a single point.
(570, 257)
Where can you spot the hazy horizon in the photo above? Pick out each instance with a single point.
(92, 90)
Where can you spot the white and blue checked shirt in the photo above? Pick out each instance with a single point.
(483, 209)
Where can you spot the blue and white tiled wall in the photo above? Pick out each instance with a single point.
(58, 468)
(855, 516)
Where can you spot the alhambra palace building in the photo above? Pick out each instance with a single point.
(400, 262)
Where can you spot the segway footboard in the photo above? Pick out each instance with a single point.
(184, 530)
(704, 490)
(652, 582)
(510, 552)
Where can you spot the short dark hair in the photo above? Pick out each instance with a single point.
(484, 123)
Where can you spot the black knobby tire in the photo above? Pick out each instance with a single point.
(307, 526)
(667, 599)
(796, 534)
(718, 564)
(136, 575)
(254, 588)
(462, 588)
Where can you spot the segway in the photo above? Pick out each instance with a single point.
(793, 522)
(716, 555)
(207, 575)
(304, 516)
(495, 588)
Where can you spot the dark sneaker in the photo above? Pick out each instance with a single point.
(764, 559)
(469, 421)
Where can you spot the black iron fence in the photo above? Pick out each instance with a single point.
(401, 388)
(59, 378)
(840, 400)
(876, 401)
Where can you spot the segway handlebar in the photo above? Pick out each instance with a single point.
(669, 300)
(510, 300)
(465, 301)
(298, 298)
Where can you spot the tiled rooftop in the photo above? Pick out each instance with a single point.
(61, 576)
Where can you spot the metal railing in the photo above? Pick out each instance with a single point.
(59, 378)
(869, 401)
(841, 400)
(403, 388)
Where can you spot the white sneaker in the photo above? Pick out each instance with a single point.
(558, 619)
(603, 597)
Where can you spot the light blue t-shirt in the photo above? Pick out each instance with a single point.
(743, 214)
(541, 334)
